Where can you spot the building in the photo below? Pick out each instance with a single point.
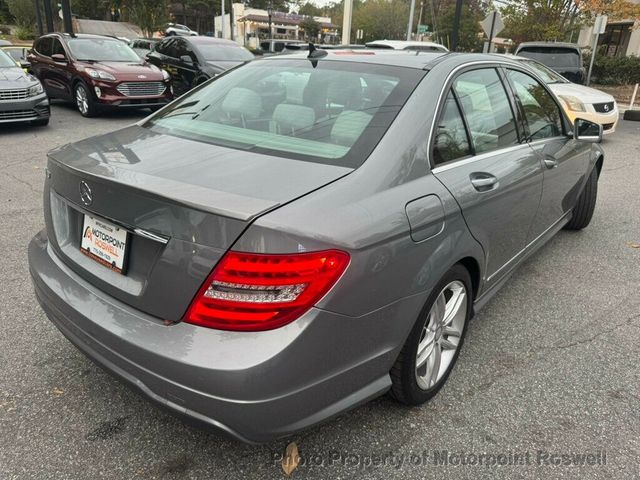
(252, 24)
(619, 38)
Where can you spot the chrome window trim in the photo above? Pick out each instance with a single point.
(475, 158)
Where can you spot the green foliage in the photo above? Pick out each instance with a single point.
(468, 35)
(381, 19)
(5, 14)
(622, 70)
(24, 13)
(311, 28)
(149, 15)
(277, 5)
(540, 20)
(310, 9)
(25, 33)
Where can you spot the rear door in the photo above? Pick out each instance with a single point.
(479, 155)
(565, 161)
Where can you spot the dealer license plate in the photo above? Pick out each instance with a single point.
(105, 243)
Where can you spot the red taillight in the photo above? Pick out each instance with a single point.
(253, 292)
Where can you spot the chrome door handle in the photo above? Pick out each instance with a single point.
(483, 182)
(550, 162)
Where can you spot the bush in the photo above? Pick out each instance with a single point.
(4, 30)
(614, 70)
(24, 33)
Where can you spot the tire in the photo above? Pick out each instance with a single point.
(85, 103)
(409, 384)
(586, 204)
(633, 115)
(41, 122)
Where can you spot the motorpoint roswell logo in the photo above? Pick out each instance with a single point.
(88, 233)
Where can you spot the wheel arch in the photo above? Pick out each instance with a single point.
(473, 267)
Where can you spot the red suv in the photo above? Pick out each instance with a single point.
(97, 72)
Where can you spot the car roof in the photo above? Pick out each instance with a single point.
(396, 58)
(399, 44)
(69, 36)
(549, 44)
(204, 40)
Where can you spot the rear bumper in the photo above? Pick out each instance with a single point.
(27, 110)
(254, 386)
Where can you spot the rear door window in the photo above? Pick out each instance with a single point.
(487, 109)
(451, 141)
(542, 113)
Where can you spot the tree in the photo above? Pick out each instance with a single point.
(24, 13)
(309, 9)
(149, 15)
(381, 19)
(468, 33)
(540, 19)
(277, 5)
(311, 28)
(614, 9)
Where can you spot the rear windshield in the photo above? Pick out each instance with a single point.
(212, 52)
(330, 112)
(555, 57)
(102, 50)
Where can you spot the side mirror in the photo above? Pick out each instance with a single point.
(25, 64)
(586, 131)
(58, 57)
(186, 59)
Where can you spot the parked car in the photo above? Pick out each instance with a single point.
(97, 72)
(22, 98)
(260, 258)
(194, 60)
(143, 46)
(407, 45)
(578, 101)
(174, 29)
(563, 58)
(278, 45)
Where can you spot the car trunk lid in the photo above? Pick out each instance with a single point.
(183, 204)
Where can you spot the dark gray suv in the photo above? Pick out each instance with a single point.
(307, 232)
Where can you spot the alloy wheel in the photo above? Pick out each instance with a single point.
(81, 99)
(440, 337)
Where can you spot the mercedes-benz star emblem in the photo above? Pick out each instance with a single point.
(606, 108)
(85, 193)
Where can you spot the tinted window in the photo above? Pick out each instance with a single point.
(43, 46)
(329, 112)
(540, 109)
(213, 52)
(553, 56)
(487, 110)
(57, 48)
(450, 140)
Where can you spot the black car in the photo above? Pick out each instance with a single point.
(143, 46)
(193, 60)
(564, 58)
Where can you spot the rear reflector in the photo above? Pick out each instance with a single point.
(254, 292)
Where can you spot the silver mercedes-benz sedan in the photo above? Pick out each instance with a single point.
(306, 232)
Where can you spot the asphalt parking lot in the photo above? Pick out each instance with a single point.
(549, 371)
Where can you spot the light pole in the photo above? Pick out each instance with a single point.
(346, 22)
(410, 26)
(270, 13)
